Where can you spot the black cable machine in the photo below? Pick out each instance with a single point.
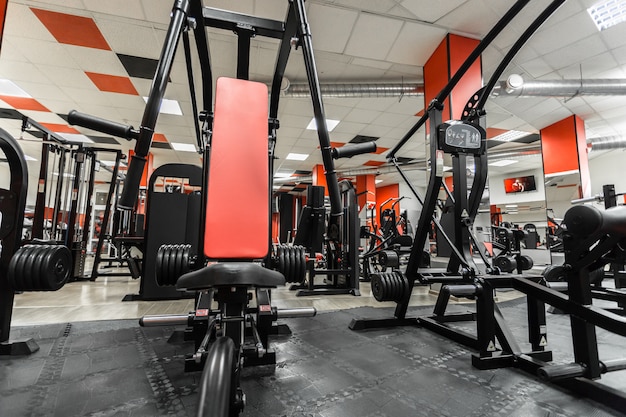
(28, 267)
(591, 238)
(64, 200)
(294, 31)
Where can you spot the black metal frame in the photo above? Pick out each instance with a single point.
(12, 206)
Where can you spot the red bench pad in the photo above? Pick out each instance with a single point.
(237, 215)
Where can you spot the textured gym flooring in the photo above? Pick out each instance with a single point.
(116, 368)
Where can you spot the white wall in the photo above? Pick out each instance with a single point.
(498, 196)
(608, 169)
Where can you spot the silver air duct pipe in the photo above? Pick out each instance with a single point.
(516, 86)
(357, 90)
(606, 143)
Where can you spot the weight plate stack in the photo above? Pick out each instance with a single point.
(172, 262)
(389, 286)
(389, 259)
(40, 267)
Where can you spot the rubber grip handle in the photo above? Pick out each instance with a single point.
(101, 125)
(356, 149)
(131, 183)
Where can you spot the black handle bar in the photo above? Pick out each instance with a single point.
(356, 149)
(102, 125)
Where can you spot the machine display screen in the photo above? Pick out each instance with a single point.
(463, 136)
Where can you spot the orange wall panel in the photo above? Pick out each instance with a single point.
(559, 146)
(319, 178)
(459, 49)
(385, 193)
(3, 15)
(366, 188)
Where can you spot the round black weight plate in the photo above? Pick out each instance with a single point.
(280, 250)
(25, 279)
(167, 264)
(397, 287)
(292, 264)
(15, 273)
(159, 265)
(302, 274)
(179, 264)
(56, 271)
(526, 262)
(505, 263)
(377, 287)
(296, 264)
(186, 266)
(38, 258)
(554, 273)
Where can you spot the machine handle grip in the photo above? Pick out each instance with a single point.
(132, 182)
(351, 150)
(102, 125)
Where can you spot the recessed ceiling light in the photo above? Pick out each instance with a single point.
(378, 181)
(9, 88)
(184, 147)
(330, 124)
(511, 205)
(168, 106)
(607, 13)
(297, 156)
(510, 136)
(502, 162)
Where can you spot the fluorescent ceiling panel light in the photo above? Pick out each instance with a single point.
(283, 174)
(502, 162)
(378, 181)
(511, 205)
(607, 13)
(9, 88)
(510, 136)
(183, 147)
(297, 156)
(29, 158)
(330, 123)
(168, 106)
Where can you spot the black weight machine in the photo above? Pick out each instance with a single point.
(23, 266)
(65, 188)
(386, 243)
(340, 261)
(591, 239)
(221, 336)
(507, 240)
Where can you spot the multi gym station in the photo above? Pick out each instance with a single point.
(321, 208)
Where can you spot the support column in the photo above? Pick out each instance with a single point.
(564, 151)
(319, 177)
(366, 190)
(442, 64)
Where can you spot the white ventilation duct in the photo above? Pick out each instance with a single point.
(606, 143)
(516, 86)
(357, 90)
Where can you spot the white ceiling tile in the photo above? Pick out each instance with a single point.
(368, 43)
(415, 43)
(157, 10)
(361, 116)
(330, 27)
(95, 60)
(22, 71)
(536, 68)
(349, 127)
(138, 40)
(44, 52)
(430, 11)
(568, 31)
(127, 9)
(21, 21)
(376, 6)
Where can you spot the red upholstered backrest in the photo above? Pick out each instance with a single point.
(237, 216)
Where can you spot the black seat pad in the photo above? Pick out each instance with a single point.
(230, 274)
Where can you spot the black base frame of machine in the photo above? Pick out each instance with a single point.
(294, 31)
(592, 240)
